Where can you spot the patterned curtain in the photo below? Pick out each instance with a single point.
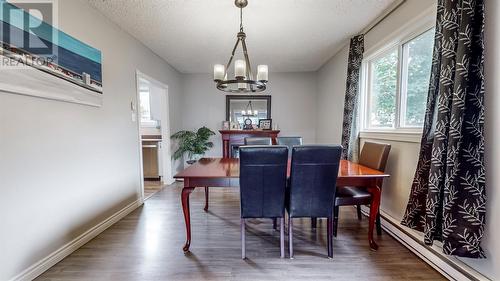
(350, 130)
(448, 199)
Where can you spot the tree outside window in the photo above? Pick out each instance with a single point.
(398, 83)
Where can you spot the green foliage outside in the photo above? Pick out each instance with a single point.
(419, 73)
(384, 84)
(193, 143)
(383, 111)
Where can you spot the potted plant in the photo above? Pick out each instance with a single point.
(192, 143)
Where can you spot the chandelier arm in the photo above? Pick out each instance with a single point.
(224, 86)
(247, 59)
(231, 58)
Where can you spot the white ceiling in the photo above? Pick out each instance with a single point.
(288, 35)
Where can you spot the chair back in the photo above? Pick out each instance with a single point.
(313, 178)
(374, 155)
(263, 177)
(258, 141)
(290, 142)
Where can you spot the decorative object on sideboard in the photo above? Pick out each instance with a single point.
(265, 124)
(64, 68)
(247, 124)
(249, 112)
(194, 144)
(226, 125)
(243, 81)
(234, 125)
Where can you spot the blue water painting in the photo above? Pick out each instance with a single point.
(55, 52)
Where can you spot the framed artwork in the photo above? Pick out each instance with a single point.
(57, 67)
(265, 124)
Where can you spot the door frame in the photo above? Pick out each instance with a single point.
(167, 177)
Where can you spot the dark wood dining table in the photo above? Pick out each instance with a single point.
(225, 172)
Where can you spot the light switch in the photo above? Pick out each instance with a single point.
(133, 110)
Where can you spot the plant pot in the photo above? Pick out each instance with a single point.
(194, 159)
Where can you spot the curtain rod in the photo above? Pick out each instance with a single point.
(383, 17)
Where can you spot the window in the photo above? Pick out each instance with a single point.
(396, 84)
(382, 112)
(145, 104)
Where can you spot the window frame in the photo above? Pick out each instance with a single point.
(396, 40)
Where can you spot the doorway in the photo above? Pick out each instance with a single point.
(154, 135)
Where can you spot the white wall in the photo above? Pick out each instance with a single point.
(293, 105)
(491, 265)
(331, 93)
(404, 154)
(65, 167)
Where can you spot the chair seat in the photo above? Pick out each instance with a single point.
(352, 195)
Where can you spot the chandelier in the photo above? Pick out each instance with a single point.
(249, 112)
(243, 81)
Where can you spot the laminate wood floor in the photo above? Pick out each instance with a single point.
(151, 187)
(147, 245)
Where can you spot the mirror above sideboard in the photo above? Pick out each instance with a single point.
(239, 108)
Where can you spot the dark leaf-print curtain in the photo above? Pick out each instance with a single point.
(350, 130)
(448, 200)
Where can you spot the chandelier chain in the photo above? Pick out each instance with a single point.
(241, 19)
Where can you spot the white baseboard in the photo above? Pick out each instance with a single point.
(449, 267)
(42, 265)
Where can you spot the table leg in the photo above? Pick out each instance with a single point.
(206, 199)
(186, 191)
(374, 206)
(226, 153)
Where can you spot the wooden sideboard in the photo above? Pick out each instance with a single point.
(232, 138)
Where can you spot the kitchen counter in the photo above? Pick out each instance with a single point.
(154, 138)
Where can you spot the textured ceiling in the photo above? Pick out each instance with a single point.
(288, 35)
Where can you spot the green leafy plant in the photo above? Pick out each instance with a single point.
(192, 143)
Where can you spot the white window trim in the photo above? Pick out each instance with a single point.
(399, 136)
(407, 32)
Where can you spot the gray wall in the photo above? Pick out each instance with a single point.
(404, 154)
(66, 167)
(293, 105)
(330, 102)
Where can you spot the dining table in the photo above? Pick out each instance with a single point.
(225, 172)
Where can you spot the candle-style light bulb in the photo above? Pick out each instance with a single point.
(219, 70)
(262, 73)
(240, 69)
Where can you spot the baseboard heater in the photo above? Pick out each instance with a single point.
(430, 255)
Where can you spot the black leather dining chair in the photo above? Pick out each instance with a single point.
(290, 142)
(263, 179)
(312, 186)
(258, 141)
